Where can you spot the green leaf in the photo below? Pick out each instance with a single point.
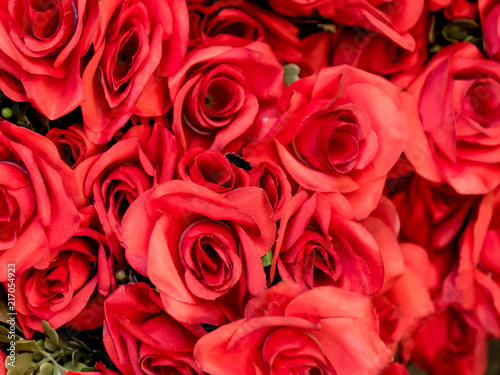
(51, 345)
(87, 369)
(328, 27)
(23, 345)
(4, 335)
(291, 73)
(50, 332)
(46, 369)
(70, 366)
(23, 365)
(267, 259)
(459, 30)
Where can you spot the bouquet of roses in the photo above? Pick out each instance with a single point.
(249, 187)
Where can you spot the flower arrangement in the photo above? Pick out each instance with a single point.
(249, 186)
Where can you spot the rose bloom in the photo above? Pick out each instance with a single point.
(100, 370)
(38, 193)
(362, 50)
(321, 243)
(452, 111)
(112, 180)
(137, 44)
(448, 344)
(395, 369)
(402, 306)
(142, 339)
(384, 225)
(42, 42)
(391, 18)
(200, 249)
(73, 282)
(224, 95)
(432, 214)
(73, 144)
(291, 329)
(454, 9)
(212, 170)
(272, 179)
(489, 10)
(244, 20)
(334, 138)
(475, 282)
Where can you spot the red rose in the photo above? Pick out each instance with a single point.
(73, 145)
(200, 249)
(448, 344)
(212, 170)
(452, 110)
(383, 224)
(38, 194)
(475, 282)
(454, 9)
(320, 243)
(245, 20)
(73, 281)
(137, 44)
(101, 370)
(395, 369)
(407, 301)
(392, 18)
(362, 50)
(302, 8)
(224, 93)
(324, 330)
(141, 338)
(489, 10)
(334, 137)
(143, 157)
(272, 179)
(42, 44)
(431, 214)
(3, 358)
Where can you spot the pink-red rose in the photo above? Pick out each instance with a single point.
(432, 215)
(224, 95)
(73, 144)
(71, 288)
(454, 9)
(112, 180)
(335, 138)
(137, 44)
(452, 110)
(449, 344)
(320, 243)
(212, 170)
(475, 282)
(391, 18)
(200, 249)
(322, 331)
(272, 179)
(489, 10)
(362, 50)
(38, 193)
(142, 339)
(42, 42)
(244, 20)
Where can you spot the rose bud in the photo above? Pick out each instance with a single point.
(212, 170)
